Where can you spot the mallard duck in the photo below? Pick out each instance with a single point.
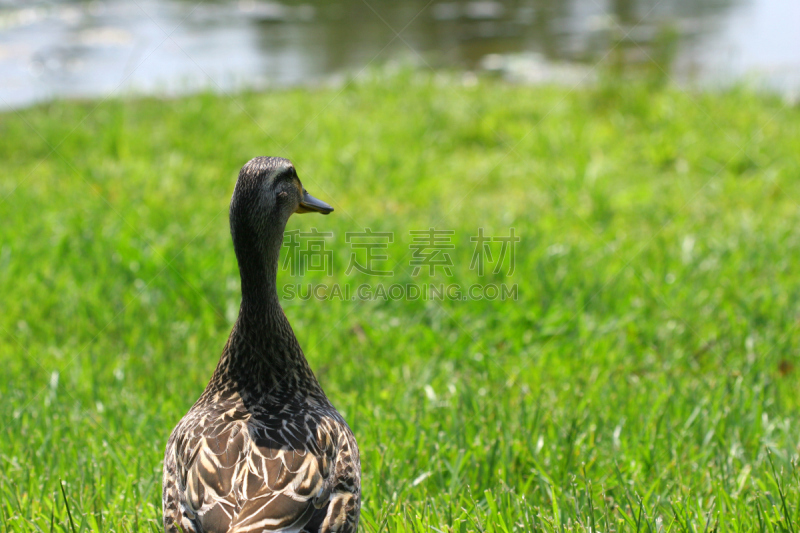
(262, 449)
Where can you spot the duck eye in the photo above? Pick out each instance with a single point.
(282, 195)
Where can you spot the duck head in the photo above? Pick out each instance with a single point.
(269, 188)
(267, 193)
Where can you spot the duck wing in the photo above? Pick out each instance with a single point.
(241, 476)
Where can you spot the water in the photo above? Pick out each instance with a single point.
(99, 48)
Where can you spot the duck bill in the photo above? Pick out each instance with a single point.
(309, 204)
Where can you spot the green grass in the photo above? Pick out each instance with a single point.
(645, 380)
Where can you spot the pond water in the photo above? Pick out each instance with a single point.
(97, 48)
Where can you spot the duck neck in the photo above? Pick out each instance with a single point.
(258, 269)
(262, 350)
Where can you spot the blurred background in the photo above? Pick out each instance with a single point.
(97, 48)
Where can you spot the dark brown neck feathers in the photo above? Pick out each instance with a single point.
(262, 355)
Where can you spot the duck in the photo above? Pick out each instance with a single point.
(262, 449)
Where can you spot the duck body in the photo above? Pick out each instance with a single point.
(262, 449)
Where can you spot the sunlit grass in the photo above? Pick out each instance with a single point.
(645, 379)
